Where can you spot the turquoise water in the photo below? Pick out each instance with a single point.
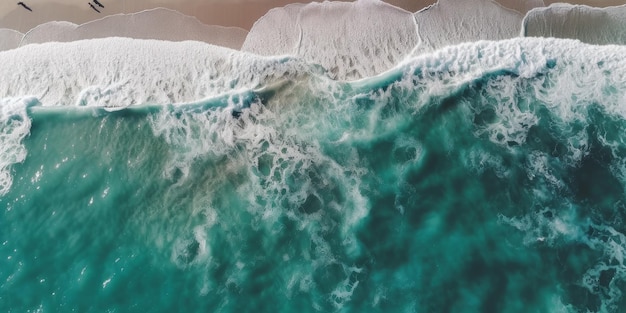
(418, 191)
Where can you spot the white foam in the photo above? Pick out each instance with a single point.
(147, 24)
(118, 72)
(513, 122)
(343, 292)
(14, 127)
(350, 40)
(566, 76)
(600, 26)
(286, 179)
(613, 244)
(216, 135)
(9, 39)
(450, 22)
(456, 66)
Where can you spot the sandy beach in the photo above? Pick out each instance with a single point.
(241, 13)
(226, 13)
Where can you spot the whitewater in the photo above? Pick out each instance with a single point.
(398, 173)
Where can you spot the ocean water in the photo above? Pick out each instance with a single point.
(486, 177)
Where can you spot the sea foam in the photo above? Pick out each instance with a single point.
(347, 39)
(600, 26)
(14, 127)
(116, 72)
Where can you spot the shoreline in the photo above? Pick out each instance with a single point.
(227, 13)
(230, 14)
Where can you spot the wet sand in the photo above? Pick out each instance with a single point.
(241, 13)
(224, 12)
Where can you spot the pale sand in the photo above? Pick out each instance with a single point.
(146, 24)
(239, 13)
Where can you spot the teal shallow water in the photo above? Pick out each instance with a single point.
(376, 196)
